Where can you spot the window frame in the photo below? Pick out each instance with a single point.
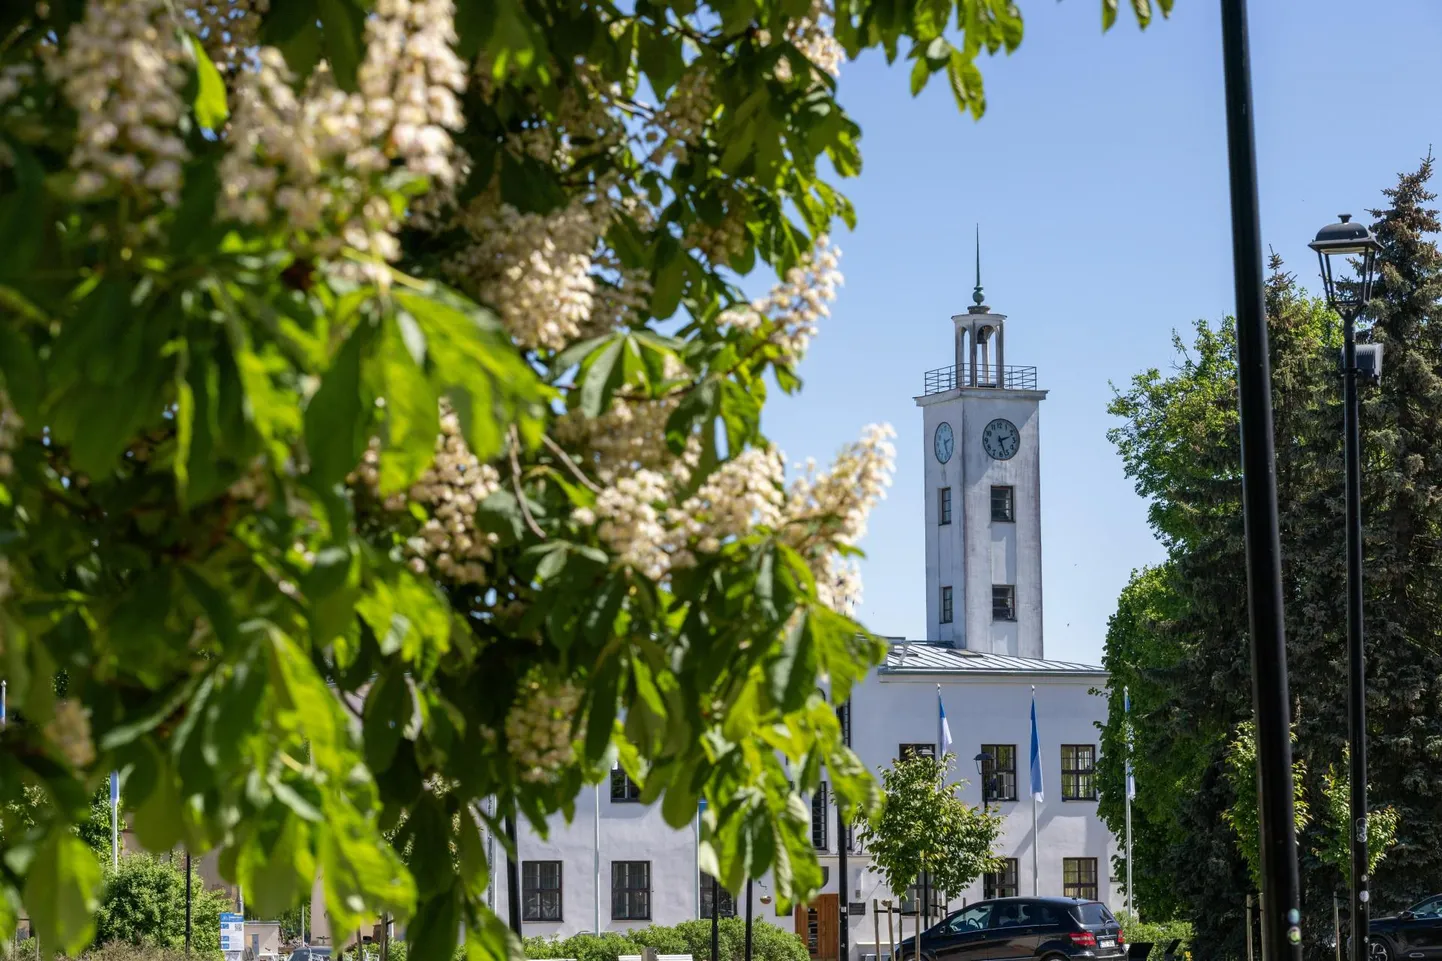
(623, 789)
(1007, 516)
(1079, 777)
(532, 886)
(820, 820)
(943, 507)
(1005, 776)
(1009, 611)
(1005, 883)
(907, 749)
(947, 601)
(726, 901)
(629, 892)
(1084, 880)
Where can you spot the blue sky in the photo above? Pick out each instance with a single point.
(1099, 178)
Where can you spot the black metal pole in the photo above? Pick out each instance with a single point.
(748, 920)
(1356, 664)
(513, 876)
(1271, 701)
(923, 912)
(843, 926)
(715, 919)
(187, 901)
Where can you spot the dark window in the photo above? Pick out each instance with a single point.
(813, 933)
(843, 717)
(1079, 878)
(622, 787)
(998, 776)
(819, 809)
(540, 890)
(1078, 772)
(904, 751)
(1003, 503)
(630, 890)
(946, 605)
(1000, 884)
(1095, 912)
(726, 904)
(943, 505)
(912, 898)
(1003, 602)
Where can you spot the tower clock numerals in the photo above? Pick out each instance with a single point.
(943, 442)
(1000, 439)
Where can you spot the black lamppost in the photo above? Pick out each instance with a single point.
(982, 761)
(1334, 245)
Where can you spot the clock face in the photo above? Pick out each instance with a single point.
(943, 443)
(1000, 439)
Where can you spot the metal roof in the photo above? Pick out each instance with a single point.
(924, 657)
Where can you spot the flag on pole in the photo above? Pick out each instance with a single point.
(1036, 787)
(114, 788)
(943, 729)
(1131, 776)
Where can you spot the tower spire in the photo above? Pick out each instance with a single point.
(978, 299)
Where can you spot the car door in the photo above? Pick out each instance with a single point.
(1422, 933)
(1014, 931)
(962, 936)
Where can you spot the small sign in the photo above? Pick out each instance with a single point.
(232, 934)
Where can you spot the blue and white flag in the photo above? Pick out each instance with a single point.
(943, 729)
(114, 788)
(1131, 777)
(1036, 788)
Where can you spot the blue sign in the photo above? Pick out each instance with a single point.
(232, 932)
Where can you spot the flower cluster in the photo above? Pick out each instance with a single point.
(10, 426)
(722, 242)
(321, 159)
(630, 522)
(535, 269)
(683, 119)
(794, 306)
(68, 732)
(123, 68)
(813, 35)
(742, 494)
(539, 725)
(451, 490)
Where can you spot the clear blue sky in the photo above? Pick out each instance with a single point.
(1099, 178)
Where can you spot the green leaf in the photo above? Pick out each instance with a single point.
(184, 433)
(210, 107)
(790, 674)
(1143, 10)
(334, 418)
(343, 23)
(62, 892)
(407, 615)
(359, 870)
(600, 375)
(670, 283)
(412, 418)
(920, 74)
(159, 818)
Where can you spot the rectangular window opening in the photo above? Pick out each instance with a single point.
(1003, 883)
(630, 890)
(725, 903)
(998, 775)
(943, 506)
(622, 787)
(946, 605)
(1003, 503)
(540, 890)
(819, 819)
(1079, 878)
(1078, 772)
(1003, 602)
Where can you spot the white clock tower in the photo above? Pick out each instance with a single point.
(983, 493)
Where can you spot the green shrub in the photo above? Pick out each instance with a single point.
(144, 904)
(1159, 933)
(768, 942)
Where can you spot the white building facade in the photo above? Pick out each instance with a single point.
(619, 866)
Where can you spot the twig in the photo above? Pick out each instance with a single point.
(516, 483)
(570, 464)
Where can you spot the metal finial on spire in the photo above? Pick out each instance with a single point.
(977, 297)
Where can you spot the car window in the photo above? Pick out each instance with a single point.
(1013, 914)
(1045, 913)
(1430, 908)
(1093, 912)
(971, 919)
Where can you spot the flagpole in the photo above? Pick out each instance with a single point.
(114, 820)
(1127, 707)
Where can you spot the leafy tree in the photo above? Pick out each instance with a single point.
(144, 904)
(1335, 846)
(398, 351)
(923, 827)
(1243, 817)
(1180, 638)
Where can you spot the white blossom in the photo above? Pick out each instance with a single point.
(123, 69)
(796, 305)
(539, 725)
(814, 36)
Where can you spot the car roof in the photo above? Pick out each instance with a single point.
(1047, 899)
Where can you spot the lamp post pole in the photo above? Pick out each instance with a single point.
(1271, 700)
(1343, 241)
(1356, 666)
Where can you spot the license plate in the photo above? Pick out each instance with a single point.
(1107, 942)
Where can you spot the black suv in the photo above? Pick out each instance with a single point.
(1018, 928)
(1415, 933)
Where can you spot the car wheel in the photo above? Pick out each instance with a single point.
(1378, 949)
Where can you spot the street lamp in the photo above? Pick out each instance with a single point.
(982, 761)
(1334, 243)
